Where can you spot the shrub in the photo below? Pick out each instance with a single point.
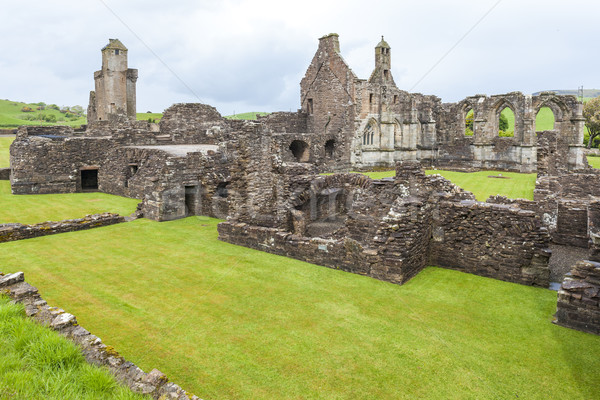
(50, 118)
(468, 132)
(26, 109)
(503, 133)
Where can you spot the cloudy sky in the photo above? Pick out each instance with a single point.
(242, 55)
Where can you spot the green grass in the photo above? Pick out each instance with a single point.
(154, 116)
(229, 322)
(594, 161)
(29, 209)
(37, 363)
(249, 115)
(4, 151)
(519, 186)
(12, 117)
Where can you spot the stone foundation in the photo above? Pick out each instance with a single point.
(12, 232)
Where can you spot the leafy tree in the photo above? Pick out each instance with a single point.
(503, 123)
(591, 113)
(77, 110)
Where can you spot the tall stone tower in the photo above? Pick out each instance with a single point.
(382, 73)
(114, 97)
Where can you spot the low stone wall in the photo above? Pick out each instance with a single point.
(155, 383)
(493, 240)
(346, 255)
(12, 232)
(578, 304)
(4, 174)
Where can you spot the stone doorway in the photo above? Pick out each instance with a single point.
(89, 180)
(191, 200)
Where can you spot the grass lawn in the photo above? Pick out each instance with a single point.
(29, 209)
(519, 186)
(37, 363)
(594, 162)
(4, 153)
(227, 322)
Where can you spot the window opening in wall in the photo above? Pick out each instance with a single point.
(370, 98)
(330, 148)
(222, 190)
(89, 179)
(300, 151)
(469, 122)
(309, 106)
(190, 200)
(369, 135)
(506, 123)
(117, 52)
(395, 99)
(545, 120)
(386, 73)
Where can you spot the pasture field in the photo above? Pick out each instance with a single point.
(11, 115)
(38, 363)
(594, 162)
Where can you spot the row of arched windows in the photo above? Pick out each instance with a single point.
(544, 120)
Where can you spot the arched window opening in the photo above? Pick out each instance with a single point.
(330, 148)
(544, 119)
(299, 149)
(506, 123)
(369, 135)
(469, 116)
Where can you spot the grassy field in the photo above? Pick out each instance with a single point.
(518, 186)
(249, 115)
(11, 115)
(4, 153)
(29, 209)
(37, 363)
(228, 322)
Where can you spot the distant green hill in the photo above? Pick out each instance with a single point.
(587, 93)
(14, 114)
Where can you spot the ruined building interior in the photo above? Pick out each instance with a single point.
(263, 176)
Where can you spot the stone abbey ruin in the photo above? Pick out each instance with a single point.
(264, 178)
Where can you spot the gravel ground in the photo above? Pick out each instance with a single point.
(563, 258)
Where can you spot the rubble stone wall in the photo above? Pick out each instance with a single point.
(12, 232)
(578, 305)
(493, 240)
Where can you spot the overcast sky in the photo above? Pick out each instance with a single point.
(240, 55)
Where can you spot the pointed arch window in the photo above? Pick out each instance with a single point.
(369, 135)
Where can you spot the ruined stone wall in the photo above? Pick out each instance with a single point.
(12, 232)
(194, 123)
(491, 240)
(327, 92)
(154, 384)
(53, 164)
(285, 122)
(4, 174)
(578, 305)
(384, 229)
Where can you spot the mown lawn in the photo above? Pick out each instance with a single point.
(594, 162)
(29, 209)
(4, 151)
(227, 322)
(514, 186)
(37, 363)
